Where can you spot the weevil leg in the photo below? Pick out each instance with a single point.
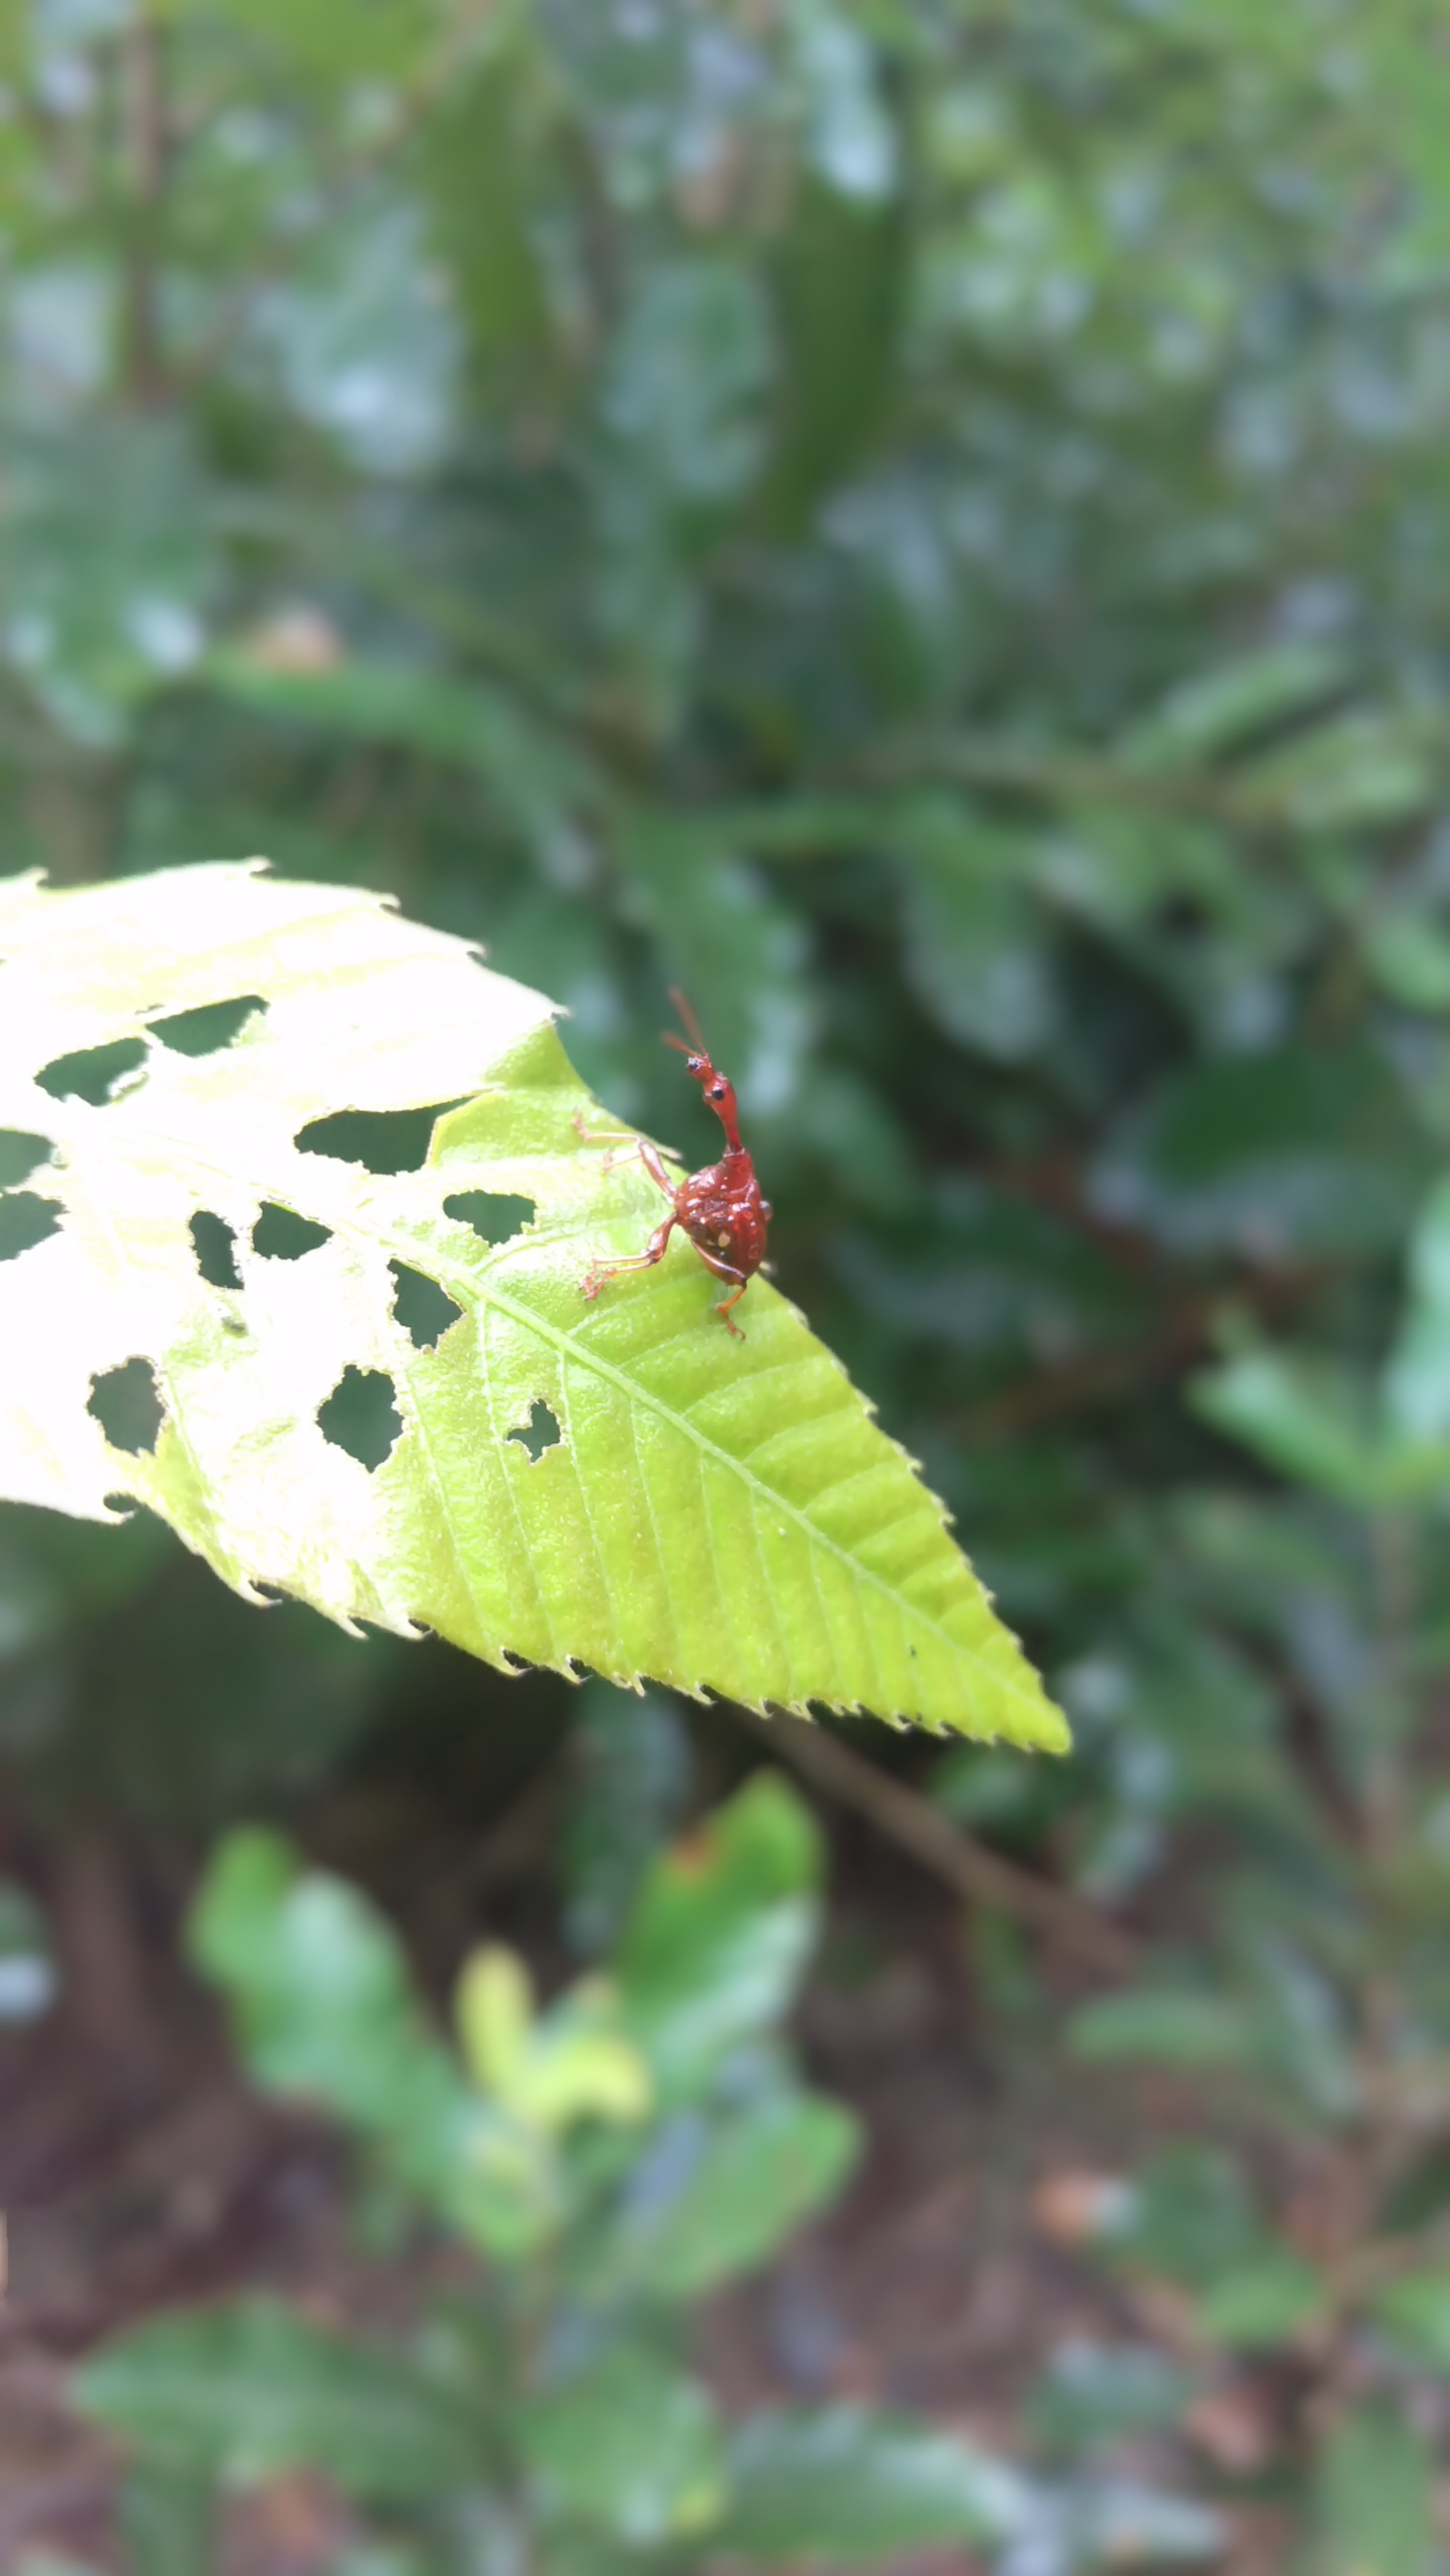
(649, 1156)
(632, 1145)
(740, 1279)
(628, 1144)
(598, 1135)
(593, 1280)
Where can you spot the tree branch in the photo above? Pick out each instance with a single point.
(968, 1867)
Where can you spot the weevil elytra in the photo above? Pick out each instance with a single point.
(720, 1207)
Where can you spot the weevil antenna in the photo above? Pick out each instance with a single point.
(688, 1023)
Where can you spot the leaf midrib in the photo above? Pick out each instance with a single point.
(476, 1293)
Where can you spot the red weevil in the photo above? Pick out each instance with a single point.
(719, 1208)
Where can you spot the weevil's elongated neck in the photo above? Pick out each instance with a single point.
(728, 1114)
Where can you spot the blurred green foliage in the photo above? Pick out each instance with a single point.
(917, 523)
(641, 2140)
(925, 523)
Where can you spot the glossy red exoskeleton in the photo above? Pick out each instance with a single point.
(719, 1208)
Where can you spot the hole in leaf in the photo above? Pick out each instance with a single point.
(280, 1234)
(127, 1404)
(215, 1245)
(361, 1417)
(540, 1432)
(424, 1310)
(20, 1154)
(382, 1140)
(494, 1216)
(92, 1073)
(26, 1220)
(209, 1028)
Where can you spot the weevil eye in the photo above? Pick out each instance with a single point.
(716, 1091)
(694, 1064)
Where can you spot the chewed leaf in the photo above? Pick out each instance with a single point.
(616, 1484)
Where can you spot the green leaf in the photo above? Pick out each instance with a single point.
(1417, 1378)
(844, 2487)
(1262, 2302)
(372, 2558)
(1372, 2505)
(1287, 1155)
(325, 2013)
(324, 2005)
(1321, 1425)
(1408, 954)
(1370, 767)
(1191, 2216)
(1092, 2393)
(109, 564)
(681, 429)
(1302, 1420)
(166, 2517)
(839, 277)
(752, 2178)
(1415, 2309)
(1164, 2027)
(494, 2009)
(534, 775)
(487, 149)
(1209, 714)
(762, 2176)
(337, 38)
(716, 1513)
(246, 2391)
(972, 947)
(570, 2066)
(719, 1938)
(719, 930)
(847, 136)
(684, 383)
(630, 2445)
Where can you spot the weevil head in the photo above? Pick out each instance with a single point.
(716, 1086)
(720, 1093)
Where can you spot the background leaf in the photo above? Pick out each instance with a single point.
(324, 2008)
(841, 2486)
(1373, 2511)
(718, 2200)
(716, 1947)
(246, 2391)
(632, 2446)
